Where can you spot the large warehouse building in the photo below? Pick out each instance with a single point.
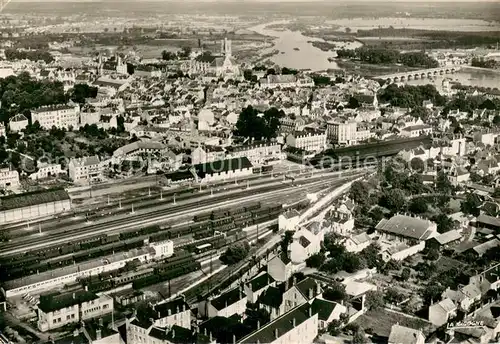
(29, 206)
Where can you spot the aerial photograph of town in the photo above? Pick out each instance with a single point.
(249, 171)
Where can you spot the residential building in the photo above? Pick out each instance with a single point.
(8, 178)
(304, 244)
(416, 130)
(405, 335)
(300, 325)
(312, 141)
(46, 171)
(92, 332)
(222, 170)
(288, 220)
(442, 312)
(280, 267)
(327, 311)
(464, 296)
(205, 154)
(257, 285)
(400, 250)
(342, 132)
(174, 335)
(85, 170)
(139, 148)
(458, 175)
(304, 291)
(357, 243)
(444, 239)
(60, 309)
(62, 117)
(407, 228)
(257, 152)
(18, 123)
(227, 304)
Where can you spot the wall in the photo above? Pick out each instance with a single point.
(35, 211)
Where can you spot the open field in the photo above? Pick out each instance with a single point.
(380, 322)
(371, 70)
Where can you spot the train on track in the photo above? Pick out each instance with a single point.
(50, 258)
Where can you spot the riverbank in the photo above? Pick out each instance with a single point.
(471, 68)
(371, 70)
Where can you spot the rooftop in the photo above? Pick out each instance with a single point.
(401, 334)
(214, 167)
(261, 281)
(32, 198)
(280, 326)
(178, 335)
(228, 298)
(406, 226)
(53, 302)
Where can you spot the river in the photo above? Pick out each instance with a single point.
(296, 51)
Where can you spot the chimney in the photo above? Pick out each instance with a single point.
(205, 331)
(101, 322)
(318, 289)
(159, 315)
(294, 322)
(173, 333)
(311, 293)
(184, 307)
(76, 333)
(177, 308)
(98, 334)
(210, 337)
(234, 339)
(310, 312)
(169, 312)
(286, 284)
(294, 280)
(74, 296)
(86, 288)
(276, 333)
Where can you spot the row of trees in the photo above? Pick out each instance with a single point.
(235, 253)
(182, 54)
(484, 63)
(388, 56)
(32, 55)
(409, 96)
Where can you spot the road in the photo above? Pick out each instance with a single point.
(158, 215)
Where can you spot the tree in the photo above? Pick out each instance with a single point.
(353, 103)
(418, 205)
(376, 214)
(286, 241)
(405, 274)
(235, 253)
(372, 256)
(348, 30)
(474, 177)
(334, 327)
(433, 254)
(359, 192)
(471, 204)
(392, 295)
(248, 74)
(443, 184)
(315, 260)
(417, 165)
(374, 300)
(496, 120)
(444, 223)
(359, 337)
(253, 125)
(335, 292)
(393, 199)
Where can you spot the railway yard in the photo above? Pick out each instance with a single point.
(113, 246)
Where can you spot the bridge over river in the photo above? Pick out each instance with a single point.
(420, 74)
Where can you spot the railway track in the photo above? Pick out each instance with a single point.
(63, 235)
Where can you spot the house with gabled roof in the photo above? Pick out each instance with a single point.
(257, 285)
(280, 267)
(304, 291)
(304, 245)
(357, 243)
(300, 325)
(442, 312)
(227, 304)
(288, 221)
(407, 228)
(327, 311)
